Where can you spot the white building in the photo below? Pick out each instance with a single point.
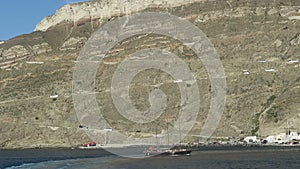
(293, 61)
(250, 139)
(270, 139)
(293, 136)
(280, 138)
(270, 70)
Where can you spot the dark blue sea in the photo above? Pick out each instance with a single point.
(204, 158)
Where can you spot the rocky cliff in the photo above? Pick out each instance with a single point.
(258, 42)
(99, 9)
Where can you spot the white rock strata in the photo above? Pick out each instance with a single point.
(78, 12)
(15, 52)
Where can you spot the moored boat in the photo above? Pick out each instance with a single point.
(166, 152)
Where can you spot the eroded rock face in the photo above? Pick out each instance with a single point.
(244, 11)
(88, 11)
(17, 51)
(73, 43)
(41, 48)
(12, 55)
(296, 41)
(292, 13)
(1, 58)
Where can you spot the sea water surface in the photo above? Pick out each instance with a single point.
(227, 158)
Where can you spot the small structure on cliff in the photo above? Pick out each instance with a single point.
(54, 97)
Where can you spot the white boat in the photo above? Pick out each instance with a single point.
(152, 151)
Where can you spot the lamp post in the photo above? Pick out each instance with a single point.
(106, 130)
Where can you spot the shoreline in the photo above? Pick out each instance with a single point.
(17, 157)
(193, 147)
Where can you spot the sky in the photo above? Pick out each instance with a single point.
(19, 17)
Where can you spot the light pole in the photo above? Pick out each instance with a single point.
(105, 138)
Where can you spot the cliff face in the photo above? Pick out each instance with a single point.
(96, 10)
(250, 36)
(100, 9)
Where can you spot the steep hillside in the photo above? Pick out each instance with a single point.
(252, 38)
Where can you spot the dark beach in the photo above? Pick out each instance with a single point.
(202, 157)
(15, 157)
(253, 159)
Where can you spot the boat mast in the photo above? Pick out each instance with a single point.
(156, 136)
(179, 133)
(168, 134)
